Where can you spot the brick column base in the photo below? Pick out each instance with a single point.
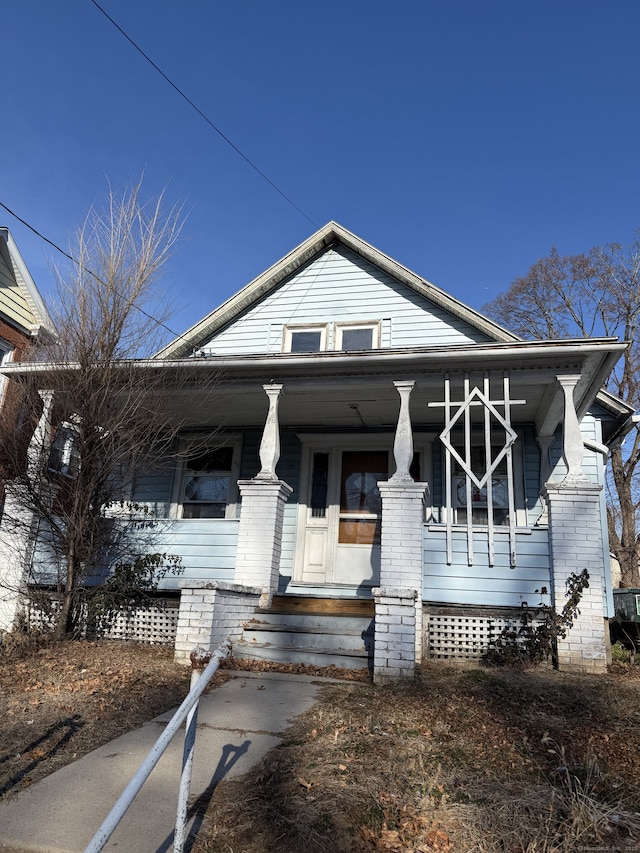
(401, 544)
(260, 534)
(394, 652)
(210, 613)
(576, 537)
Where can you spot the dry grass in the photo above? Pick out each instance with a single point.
(482, 761)
(59, 701)
(461, 760)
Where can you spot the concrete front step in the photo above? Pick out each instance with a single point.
(300, 636)
(346, 659)
(347, 624)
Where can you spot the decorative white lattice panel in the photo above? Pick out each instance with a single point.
(465, 637)
(154, 625)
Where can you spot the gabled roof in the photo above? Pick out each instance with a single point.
(331, 235)
(26, 309)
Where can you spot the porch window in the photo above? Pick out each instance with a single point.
(489, 499)
(360, 502)
(207, 483)
(319, 485)
(64, 456)
(479, 481)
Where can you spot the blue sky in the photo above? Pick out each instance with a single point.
(462, 137)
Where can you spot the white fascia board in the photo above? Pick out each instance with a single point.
(435, 357)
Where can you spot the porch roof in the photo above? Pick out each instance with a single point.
(353, 390)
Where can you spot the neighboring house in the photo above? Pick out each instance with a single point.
(24, 320)
(377, 446)
(24, 323)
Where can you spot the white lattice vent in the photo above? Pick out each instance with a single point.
(153, 625)
(465, 637)
(146, 625)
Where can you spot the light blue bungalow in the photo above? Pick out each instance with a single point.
(379, 450)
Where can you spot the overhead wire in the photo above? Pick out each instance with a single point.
(204, 116)
(214, 127)
(86, 269)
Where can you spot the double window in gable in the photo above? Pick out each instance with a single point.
(323, 337)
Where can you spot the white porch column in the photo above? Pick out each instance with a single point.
(575, 536)
(403, 443)
(40, 443)
(270, 444)
(572, 446)
(402, 523)
(262, 513)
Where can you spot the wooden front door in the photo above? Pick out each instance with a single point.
(340, 517)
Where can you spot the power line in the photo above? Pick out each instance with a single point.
(205, 117)
(86, 269)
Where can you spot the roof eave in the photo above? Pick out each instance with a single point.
(327, 236)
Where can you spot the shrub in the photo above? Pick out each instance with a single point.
(540, 629)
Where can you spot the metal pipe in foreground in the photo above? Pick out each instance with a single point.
(116, 814)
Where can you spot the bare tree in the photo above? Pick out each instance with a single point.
(595, 293)
(102, 415)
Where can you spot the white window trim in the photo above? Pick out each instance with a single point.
(374, 325)
(177, 490)
(288, 330)
(66, 440)
(6, 359)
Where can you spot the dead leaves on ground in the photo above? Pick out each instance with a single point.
(404, 829)
(64, 699)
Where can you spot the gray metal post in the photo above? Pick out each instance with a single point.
(116, 814)
(199, 661)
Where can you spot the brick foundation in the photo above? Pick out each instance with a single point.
(401, 545)
(211, 612)
(395, 636)
(575, 531)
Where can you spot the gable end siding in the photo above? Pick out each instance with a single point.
(339, 286)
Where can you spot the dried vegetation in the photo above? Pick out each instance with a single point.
(460, 760)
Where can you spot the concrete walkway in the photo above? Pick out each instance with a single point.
(238, 723)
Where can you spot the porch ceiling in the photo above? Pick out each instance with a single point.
(353, 390)
(326, 395)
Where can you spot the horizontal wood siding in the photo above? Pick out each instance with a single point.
(481, 584)
(250, 459)
(339, 286)
(289, 470)
(207, 547)
(531, 463)
(154, 492)
(13, 303)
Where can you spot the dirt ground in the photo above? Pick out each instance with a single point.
(459, 760)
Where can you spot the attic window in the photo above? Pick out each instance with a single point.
(305, 338)
(353, 337)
